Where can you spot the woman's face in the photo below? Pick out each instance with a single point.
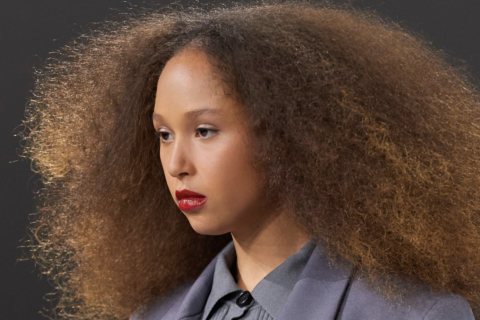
(202, 147)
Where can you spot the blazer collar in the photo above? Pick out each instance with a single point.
(319, 291)
(317, 294)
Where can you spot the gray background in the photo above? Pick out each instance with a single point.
(30, 29)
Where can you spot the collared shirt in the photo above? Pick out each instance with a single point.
(227, 301)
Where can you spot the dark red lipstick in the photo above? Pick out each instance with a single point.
(189, 200)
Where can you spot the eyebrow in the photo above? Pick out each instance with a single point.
(192, 113)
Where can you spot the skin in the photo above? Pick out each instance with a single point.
(207, 153)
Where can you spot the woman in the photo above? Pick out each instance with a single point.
(272, 161)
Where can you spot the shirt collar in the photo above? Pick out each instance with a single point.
(271, 292)
(223, 281)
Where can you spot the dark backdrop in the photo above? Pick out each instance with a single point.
(30, 29)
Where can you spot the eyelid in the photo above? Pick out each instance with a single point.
(204, 126)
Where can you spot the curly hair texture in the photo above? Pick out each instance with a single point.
(370, 134)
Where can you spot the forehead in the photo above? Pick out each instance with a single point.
(188, 83)
(189, 68)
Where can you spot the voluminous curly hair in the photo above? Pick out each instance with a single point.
(370, 134)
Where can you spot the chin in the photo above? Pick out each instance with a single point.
(207, 228)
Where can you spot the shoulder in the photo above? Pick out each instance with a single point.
(166, 307)
(361, 302)
(450, 306)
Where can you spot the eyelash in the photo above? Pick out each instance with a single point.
(158, 134)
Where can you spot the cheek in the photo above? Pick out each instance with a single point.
(229, 177)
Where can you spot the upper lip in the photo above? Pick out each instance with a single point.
(185, 193)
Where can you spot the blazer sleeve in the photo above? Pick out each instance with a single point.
(450, 307)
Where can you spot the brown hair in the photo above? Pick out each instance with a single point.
(369, 133)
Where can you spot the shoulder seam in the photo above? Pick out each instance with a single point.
(430, 309)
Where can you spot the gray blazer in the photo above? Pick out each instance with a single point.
(321, 292)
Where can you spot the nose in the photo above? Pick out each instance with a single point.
(178, 163)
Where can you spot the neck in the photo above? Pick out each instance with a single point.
(265, 247)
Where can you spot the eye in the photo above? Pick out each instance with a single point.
(204, 132)
(162, 136)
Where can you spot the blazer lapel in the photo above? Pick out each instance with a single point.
(319, 290)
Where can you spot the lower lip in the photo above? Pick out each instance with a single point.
(191, 203)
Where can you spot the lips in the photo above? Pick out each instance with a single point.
(189, 200)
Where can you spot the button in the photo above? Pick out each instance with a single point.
(244, 299)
